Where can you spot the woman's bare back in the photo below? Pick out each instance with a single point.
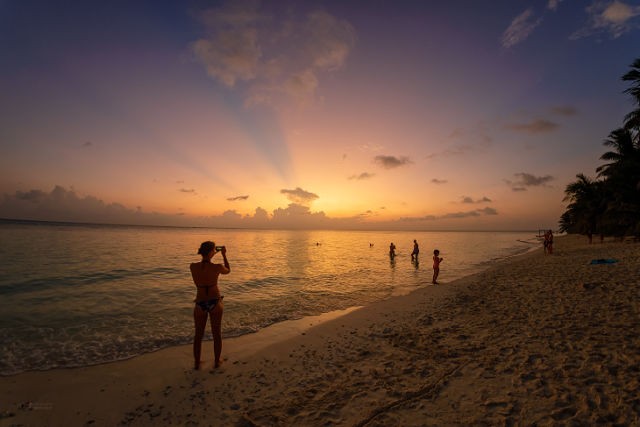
(205, 277)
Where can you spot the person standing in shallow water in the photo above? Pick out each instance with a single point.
(416, 251)
(392, 250)
(436, 266)
(208, 299)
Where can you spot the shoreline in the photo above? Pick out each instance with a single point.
(460, 352)
(112, 355)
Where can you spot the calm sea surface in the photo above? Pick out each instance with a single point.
(76, 295)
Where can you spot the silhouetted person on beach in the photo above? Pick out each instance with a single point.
(392, 250)
(436, 266)
(548, 242)
(208, 299)
(416, 251)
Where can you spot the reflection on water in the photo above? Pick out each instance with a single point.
(76, 295)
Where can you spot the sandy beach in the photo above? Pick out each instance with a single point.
(542, 339)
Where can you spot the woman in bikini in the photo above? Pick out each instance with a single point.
(208, 299)
(436, 266)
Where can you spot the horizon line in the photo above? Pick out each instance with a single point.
(49, 222)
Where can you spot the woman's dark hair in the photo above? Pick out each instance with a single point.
(436, 252)
(206, 247)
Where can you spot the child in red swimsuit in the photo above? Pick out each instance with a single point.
(436, 265)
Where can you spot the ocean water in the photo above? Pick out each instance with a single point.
(77, 295)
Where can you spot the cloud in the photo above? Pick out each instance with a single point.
(553, 4)
(452, 215)
(476, 139)
(232, 53)
(439, 181)
(391, 162)
(66, 206)
(362, 176)
(567, 110)
(233, 199)
(187, 190)
(534, 127)
(525, 180)
(467, 199)
(87, 144)
(520, 28)
(299, 195)
(279, 56)
(367, 147)
(615, 18)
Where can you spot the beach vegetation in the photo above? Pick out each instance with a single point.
(610, 204)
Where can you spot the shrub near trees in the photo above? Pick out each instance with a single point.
(610, 205)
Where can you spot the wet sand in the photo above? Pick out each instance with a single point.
(534, 339)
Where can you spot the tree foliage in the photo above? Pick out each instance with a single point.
(610, 205)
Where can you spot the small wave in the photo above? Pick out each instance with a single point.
(79, 280)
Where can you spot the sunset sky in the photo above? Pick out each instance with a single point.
(432, 115)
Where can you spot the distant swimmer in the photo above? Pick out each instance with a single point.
(370, 245)
(392, 250)
(436, 266)
(416, 251)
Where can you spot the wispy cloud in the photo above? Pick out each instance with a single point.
(467, 199)
(614, 18)
(439, 181)
(475, 139)
(280, 56)
(567, 110)
(87, 144)
(524, 180)
(534, 127)
(236, 198)
(362, 176)
(520, 28)
(298, 195)
(391, 162)
(453, 215)
(187, 190)
(367, 147)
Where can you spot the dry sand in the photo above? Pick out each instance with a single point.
(535, 339)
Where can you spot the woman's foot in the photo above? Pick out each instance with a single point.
(196, 365)
(219, 362)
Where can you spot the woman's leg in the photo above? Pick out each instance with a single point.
(216, 329)
(200, 320)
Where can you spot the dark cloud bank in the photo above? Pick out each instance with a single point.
(66, 206)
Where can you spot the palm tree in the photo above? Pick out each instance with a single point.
(632, 120)
(626, 154)
(622, 182)
(612, 204)
(585, 212)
